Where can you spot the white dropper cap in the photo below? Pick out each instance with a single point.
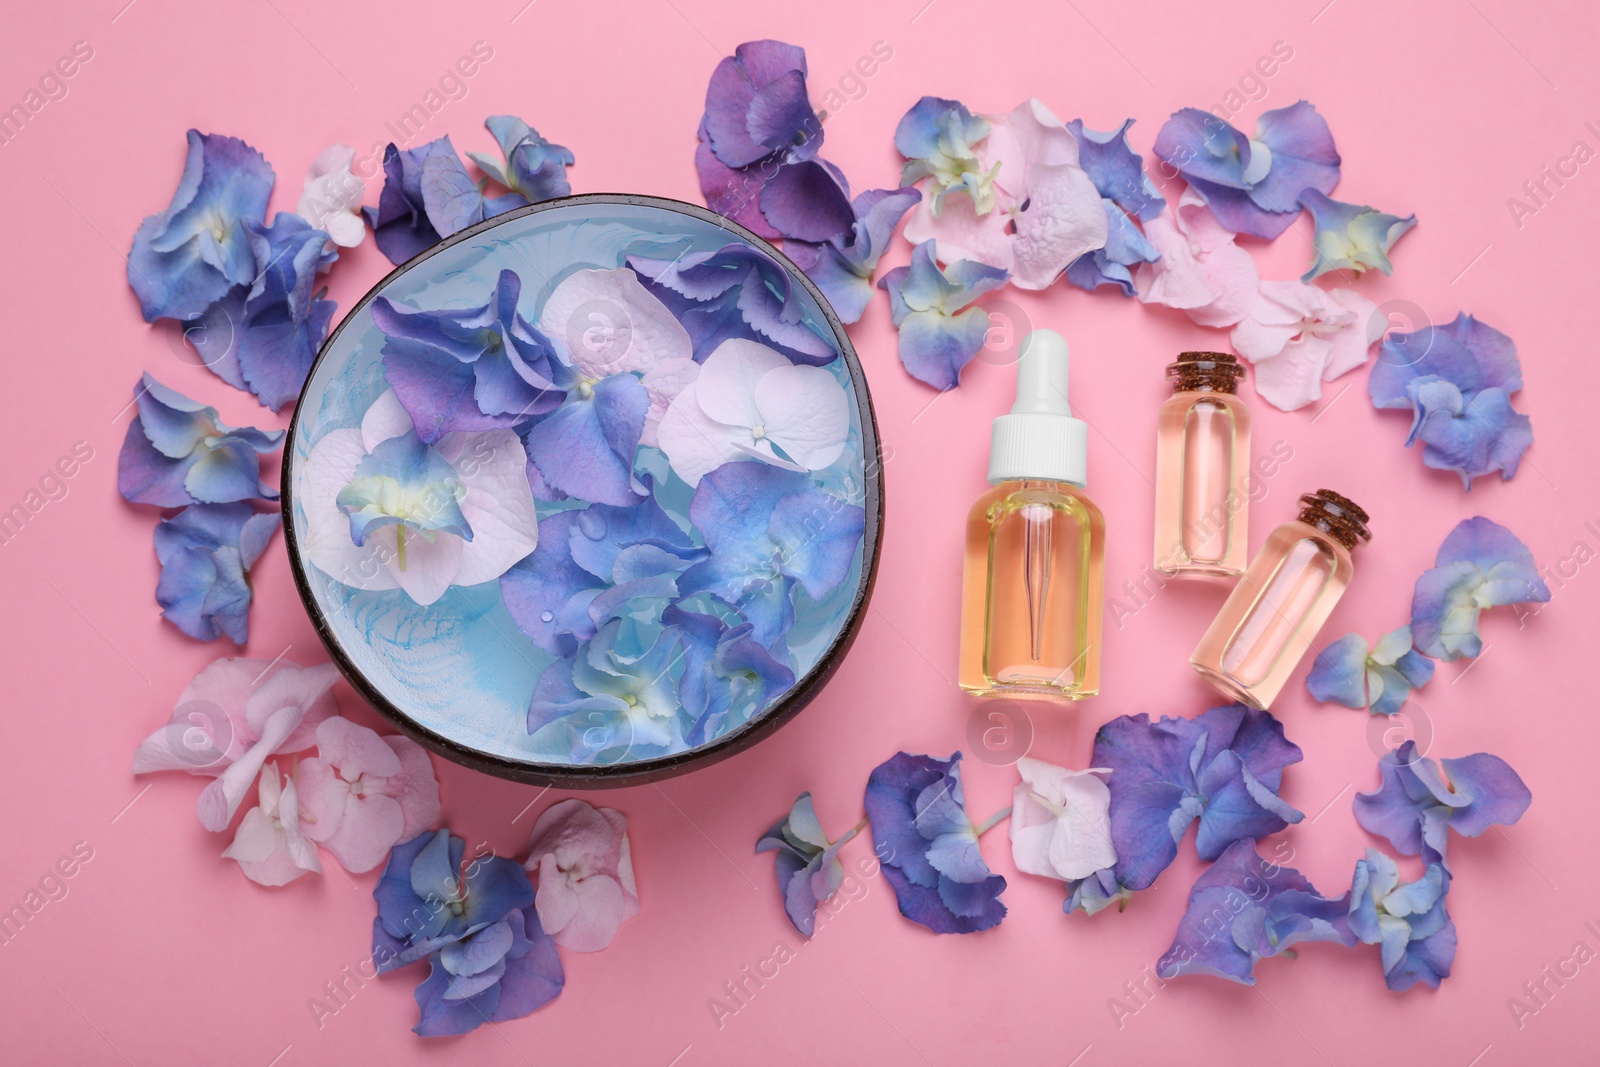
(1040, 440)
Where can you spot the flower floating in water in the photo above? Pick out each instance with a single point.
(807, 863)
(759, 137)
(928, 845)
(178, 452)
(584, 870)
(264, 337)
(1061, 821)
(1480, 565)
(750, 402)
(234, 716)
(1408, 920)
(205, 551)
(489, 959)
(1200, 270)
(728, 675)
(482, 368)
(735, 291)
(1380, 680)
(1420, 801)
(1298, 336)
(1222, 767)
(1252, 184)
(362, 794)
(1457, 380)
(271, 847)
(1244, 909)
(1351, 237)
(188, 256)
(383, 510)
(1127, 193)
(533, 168)
(1045, 212)
(939, 333)
(843, 267)
(330, 198)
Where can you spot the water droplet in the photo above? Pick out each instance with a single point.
(592, 523)
(547, 616)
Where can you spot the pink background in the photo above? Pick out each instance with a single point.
(163, 953)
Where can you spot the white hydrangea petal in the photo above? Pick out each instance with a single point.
(606, 322)
(805, 412)
(499, 502)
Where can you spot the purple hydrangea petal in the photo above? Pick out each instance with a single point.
(808, 201)
(1117, 170)
(202, 589)
(1480, 565)
(1244, 909)
(188, 256)
(1126, 247)
(735, 194)
(535, 169)
(1419, 800)
(1303, 157)
(756, 105)
(1339, 673)
(1199, 145)
(586, 446)
(178, 452)
(843, 267)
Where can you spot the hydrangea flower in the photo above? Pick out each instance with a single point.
(1046, 211)
(843, 267)
(1379, 680)
(1061, 821)
(938, 139)
(489, 959)
(604, 323)
(234, 716)
(1420, 801)
(1351, 237)
(1297, 336)
(1252, 184)
(483, 368)
(427, 196)
(939, 333)
(264, 337)
(584, 870)
(928, 845)
(330, 197)
(186, 257)
(750, 403)
(1127, 192)
(533, 168)
(205, 551)
(1200, 270)
(768, 531)
(270, 846)
(1244, 909)
(734, 291)
(1457, 381)
(1408, 920)
(1222, 767)
(178, 452)
(385, 511)
(728, 676)
(591, 565)
(1480, 565)
(806, 862)
(607, 702)
(759, 137)
(362, 794)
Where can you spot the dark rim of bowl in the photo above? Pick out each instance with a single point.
(636, 772)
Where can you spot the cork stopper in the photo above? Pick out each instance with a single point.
(1337, 516)
(1205, 372)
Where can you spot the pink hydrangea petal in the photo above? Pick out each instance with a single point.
(1064, 219)
(605, 322)
(369, 827)
(1293, 378)
(1060, 821)
(585, 870)
(386, 418)
(220, 799)
(959, 232)
(663, 382)
(415, 787)
(556, 900)
(307, 688)
(323, 793)
(354, 749)
(498, 506)
(600, 910)
(1351, 343)
(268, 846)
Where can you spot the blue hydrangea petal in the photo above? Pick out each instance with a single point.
(188, 256)
(478, 953)
(399, 914)
(1236, 806)
(1338, 675)
(445, 1017)
(1481, 564)
(533, 977)
(534, 168)
(450, 197)
(1202, 146)
(1487, 436)
(400, 225)
(493, 886)
(1117, 170)
(228, 471)
(1498, 794)
(1126, 247)
(816, 535)
(1351, 237)
(586, 446)
(1303, 157)
(403, 482)
(938, 139)
(145, 476)
(202, 589)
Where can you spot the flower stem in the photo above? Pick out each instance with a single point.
(400, 545)
(989, 823)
